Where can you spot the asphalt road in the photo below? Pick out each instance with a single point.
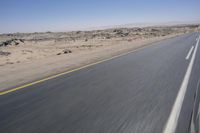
(134, 93)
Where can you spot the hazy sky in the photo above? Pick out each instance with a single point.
(63, 15)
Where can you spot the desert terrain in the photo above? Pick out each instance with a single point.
(26, 57)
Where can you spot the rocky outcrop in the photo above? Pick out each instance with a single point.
(12, 42)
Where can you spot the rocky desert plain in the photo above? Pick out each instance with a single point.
(27, 57)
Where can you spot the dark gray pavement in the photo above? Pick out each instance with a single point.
(130, 94)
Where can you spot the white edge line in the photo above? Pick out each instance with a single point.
(171, 124)
(189, 53)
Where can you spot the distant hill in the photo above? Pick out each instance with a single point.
(131, 25)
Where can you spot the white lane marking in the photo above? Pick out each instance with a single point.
(171, 124)
(189, 53)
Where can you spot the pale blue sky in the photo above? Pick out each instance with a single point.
(64, 15)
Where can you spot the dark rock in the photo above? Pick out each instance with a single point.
(12, 42)
(16, 43)
(124, 34)
(108, 37)
(4, 53)
(66, 51)
(9, 62)
(6, 43)
(21, 40)
(78, 32)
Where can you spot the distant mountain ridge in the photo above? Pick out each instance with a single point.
(132, 25)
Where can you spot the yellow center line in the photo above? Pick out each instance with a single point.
(60, 74)
(76, 69)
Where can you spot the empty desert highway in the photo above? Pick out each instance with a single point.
(134, 93)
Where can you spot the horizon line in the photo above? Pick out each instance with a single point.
(127, 25)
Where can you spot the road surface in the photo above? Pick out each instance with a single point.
(134, 93)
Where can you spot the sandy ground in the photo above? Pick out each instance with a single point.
(33, 59)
